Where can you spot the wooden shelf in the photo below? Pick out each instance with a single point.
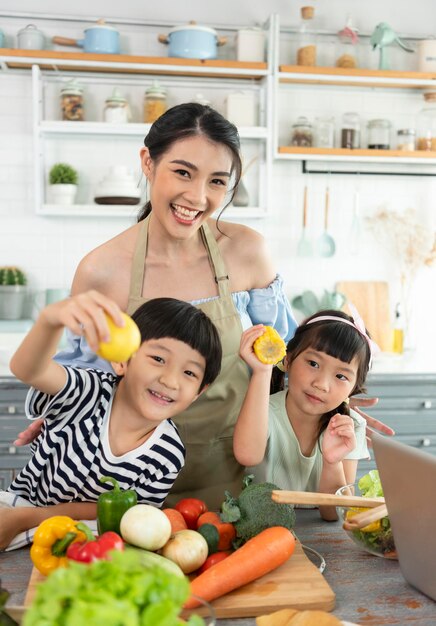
(130, 64)
(344, 154)
(355, 77)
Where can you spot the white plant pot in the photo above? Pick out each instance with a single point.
(62, 194)
(12, 300)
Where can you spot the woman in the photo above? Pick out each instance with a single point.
(192, 164)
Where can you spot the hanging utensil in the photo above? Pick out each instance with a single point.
(304, 247)
(326, 243)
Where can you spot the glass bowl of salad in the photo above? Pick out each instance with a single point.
(375, 538)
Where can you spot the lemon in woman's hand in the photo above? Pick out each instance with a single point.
(124, 340)
(269, 347)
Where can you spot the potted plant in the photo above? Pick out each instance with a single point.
(13, 293)
(63, 183)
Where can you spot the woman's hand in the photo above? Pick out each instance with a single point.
(338, 438)
(372, 423)
(246, 351)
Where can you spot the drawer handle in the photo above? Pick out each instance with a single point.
(12, 450)
(425, 442)
(427, 404)
(12, 409)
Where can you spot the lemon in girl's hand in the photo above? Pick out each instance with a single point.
(269, 347)
(124, 340)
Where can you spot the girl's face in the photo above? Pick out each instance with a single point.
(188, 184)
(318, 383)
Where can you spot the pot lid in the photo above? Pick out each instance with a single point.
(72, 88)
(156, 89)
(30, 28)
(194, 26)
(101, 24)
(116, 96)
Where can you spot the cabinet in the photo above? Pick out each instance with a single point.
(12, 421)
(407, 403)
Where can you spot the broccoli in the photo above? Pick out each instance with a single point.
(254, 511)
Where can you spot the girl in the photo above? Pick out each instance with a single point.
(311, 441)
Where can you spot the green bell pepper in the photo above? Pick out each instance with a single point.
(112, 505)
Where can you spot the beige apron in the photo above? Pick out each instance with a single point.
(206, 428)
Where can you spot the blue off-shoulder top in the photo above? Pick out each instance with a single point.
(269, 306)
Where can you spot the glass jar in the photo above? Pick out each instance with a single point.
(324, 132)
(346, 53)
(302, 134)
(72, 101)
(116, 108)
(306, 42)
(379, 134)
(406, 139)
(426, 123)
(155, 103)
(350, 131)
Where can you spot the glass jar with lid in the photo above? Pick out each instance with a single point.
(302, 134)
(324, 132)
(347, 45)
(116, 108)
(72, 101)
(426, 123)
(306, 43)
(155, 103)
(379, 134)
(406, 139)
(350, 131)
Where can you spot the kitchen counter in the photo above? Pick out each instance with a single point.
(369, 589)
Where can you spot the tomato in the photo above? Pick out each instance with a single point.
(213, 559)
(191, 509)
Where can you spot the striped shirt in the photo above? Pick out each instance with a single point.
(73, 450)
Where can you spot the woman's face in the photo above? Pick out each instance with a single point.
(188, 184)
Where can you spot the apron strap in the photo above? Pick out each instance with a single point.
(138, 261)
(216, 260)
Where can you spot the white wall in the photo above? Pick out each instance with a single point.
(50, 248)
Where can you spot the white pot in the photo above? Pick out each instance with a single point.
(62, 194)
(12, 300)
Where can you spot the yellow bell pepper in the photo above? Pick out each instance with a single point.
(50, 543)
(369, 528)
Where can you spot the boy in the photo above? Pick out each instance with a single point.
(97, 424)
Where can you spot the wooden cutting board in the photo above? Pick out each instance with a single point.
(297, 583)
(371, 299)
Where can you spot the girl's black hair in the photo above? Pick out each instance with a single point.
(188, 120)
(336, 339)
(168, 317)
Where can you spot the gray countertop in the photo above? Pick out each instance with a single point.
(369, 590)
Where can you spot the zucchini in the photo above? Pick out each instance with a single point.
(151, 559)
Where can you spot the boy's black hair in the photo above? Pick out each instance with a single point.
(336, 339)
(168, 317)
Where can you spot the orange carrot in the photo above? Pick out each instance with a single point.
(227, 533)
(260, 555)
(208, 518)
(176, 519)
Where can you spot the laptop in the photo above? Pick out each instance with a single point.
(408, 477)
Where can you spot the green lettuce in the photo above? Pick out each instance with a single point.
(370, 485)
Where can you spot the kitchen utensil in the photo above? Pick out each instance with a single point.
(360, 520)
(304, 247)
(326, 243)
(100, 39)
(192, 41)
(382, 37)
(30, 38)
(323, 499)
(371, 298)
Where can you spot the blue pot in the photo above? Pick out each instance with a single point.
(2, 39)
(192, 42)
(101, 40)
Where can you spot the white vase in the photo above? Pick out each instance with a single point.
(12, 300)
(62, 194)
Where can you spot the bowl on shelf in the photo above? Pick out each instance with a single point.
(117, 187)
(375, 538)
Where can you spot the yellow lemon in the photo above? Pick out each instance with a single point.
(269, 347)
(124, 340)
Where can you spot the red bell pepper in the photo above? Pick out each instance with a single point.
(94, 548)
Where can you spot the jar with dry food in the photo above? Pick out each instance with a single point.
(72, 101)
(302, 134)
(306, 43)
(406, 139)
(350, 131)
(426, 123)
(347, 45)
(379, 134)
(155, 103)
(116, 108)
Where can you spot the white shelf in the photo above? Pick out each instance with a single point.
(131, 211)
(356, 159)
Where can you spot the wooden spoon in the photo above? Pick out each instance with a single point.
(360, 520)
(323, 499)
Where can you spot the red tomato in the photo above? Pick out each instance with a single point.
(191, 509)
(213, 559)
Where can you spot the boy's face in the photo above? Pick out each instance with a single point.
(163, 378)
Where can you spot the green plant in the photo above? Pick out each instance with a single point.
(63, 174)
(12, 276)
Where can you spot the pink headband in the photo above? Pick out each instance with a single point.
(358, 325)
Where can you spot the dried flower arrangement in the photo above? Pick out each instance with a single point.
(411, 244)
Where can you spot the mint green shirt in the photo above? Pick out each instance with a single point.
(285, 465)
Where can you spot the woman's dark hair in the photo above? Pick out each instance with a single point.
(168, 317)
(188, 120)
(336, 339)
